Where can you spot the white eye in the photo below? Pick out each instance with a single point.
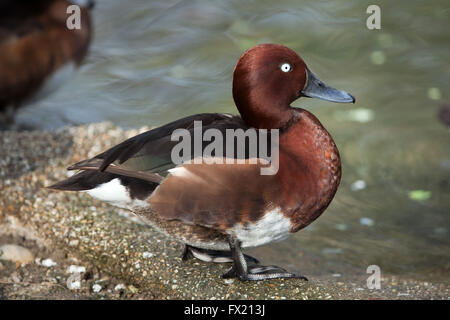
(286, 67)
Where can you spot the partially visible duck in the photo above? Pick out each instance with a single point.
(37, 49)
(444, 114)
(218, 209)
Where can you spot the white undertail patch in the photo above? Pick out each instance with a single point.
(116, 194)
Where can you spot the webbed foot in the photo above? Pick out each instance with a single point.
(244, 271)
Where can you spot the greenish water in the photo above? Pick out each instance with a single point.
(155, 61)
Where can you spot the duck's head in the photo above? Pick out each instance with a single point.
(268, 78)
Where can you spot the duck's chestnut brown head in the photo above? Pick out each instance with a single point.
(268, 78)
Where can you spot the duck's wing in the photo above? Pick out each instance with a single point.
(148, 156)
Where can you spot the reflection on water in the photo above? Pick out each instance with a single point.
(155, 61)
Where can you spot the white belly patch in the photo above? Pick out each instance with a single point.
(273, 226)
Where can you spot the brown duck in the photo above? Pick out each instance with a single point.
(218, 209)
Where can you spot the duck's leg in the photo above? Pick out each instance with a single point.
(207, 255)
(244, 271)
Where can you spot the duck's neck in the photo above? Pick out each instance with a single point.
(262, 112)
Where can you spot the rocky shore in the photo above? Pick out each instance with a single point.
(63, 245)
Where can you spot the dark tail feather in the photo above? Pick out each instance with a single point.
(84, 180)
(89, 164)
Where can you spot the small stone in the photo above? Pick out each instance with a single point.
(76, 269)
(48, 263)
(15, 253)
(147, 255)
(73, 285)
(96, 288)
(119, 287)
(74, 243)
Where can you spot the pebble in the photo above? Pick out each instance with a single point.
(73, 284)
(48, 263)
(96, 288)
(76, 269)
(16, 253)
(147, 255)
(119, 287)
(74, 243)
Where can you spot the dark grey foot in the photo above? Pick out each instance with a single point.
(258, 272)
(186, 255)
(217, 256)
(243, 271)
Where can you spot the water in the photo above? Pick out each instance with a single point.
(155, 61)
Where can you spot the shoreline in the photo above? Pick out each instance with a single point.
(122, 258)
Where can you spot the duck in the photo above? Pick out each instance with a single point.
(38, 50)
(218, 209)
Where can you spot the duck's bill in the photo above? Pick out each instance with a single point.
(316, 88)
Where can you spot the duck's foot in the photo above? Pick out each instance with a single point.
(243, 271)
(207, 255)
(258, 272)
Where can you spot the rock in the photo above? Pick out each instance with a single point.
(16, 253)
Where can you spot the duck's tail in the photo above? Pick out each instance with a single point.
(121, 191)
(83, 181)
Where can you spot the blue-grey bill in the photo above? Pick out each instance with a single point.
(315, 88)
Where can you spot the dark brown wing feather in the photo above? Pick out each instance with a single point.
(148, 155)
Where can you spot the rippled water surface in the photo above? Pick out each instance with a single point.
(155, 61)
